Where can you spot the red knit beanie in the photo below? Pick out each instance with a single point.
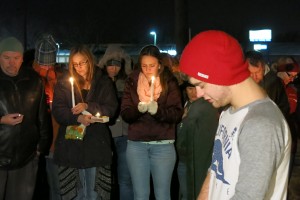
(214, 57)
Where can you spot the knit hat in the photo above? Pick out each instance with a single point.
(11, 44)
(214, 57)
(45, 50)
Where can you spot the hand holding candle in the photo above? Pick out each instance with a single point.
(152, 88)
(72, 89)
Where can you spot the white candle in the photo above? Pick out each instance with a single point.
(72, 89)
(152, 88)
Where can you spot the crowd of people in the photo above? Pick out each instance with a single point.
(223, 120)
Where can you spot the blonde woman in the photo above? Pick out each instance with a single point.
(84, 161)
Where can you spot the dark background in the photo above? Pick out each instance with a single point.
(130, 21)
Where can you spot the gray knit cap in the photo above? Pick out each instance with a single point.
(11, 44)
(45, 50)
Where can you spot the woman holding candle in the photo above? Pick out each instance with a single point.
(83, 161)
(151, 133)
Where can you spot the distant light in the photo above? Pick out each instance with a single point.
(172, 52)
(258, 47)
(154, 37)
(264, 35)
(63, 56)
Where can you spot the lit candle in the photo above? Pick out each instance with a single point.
(97, 115)
(152, 88)
(72, 89)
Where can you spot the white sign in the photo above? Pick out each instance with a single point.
(264, 35)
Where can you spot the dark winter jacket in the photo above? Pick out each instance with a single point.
(95, 148)
(195, 141)
(117, 126)
(276, 91)
(146, 127)
(23, 94)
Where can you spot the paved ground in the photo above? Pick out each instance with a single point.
(294, 186)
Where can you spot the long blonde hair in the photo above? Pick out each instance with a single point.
(84, 51)
(79, 80)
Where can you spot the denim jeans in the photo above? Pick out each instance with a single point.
(52, 176)
(124, 179)
(156, 159)
(87, 179)
(181, 172)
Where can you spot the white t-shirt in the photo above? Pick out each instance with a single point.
(251, 154)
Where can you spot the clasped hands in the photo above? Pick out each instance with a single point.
(151, 107)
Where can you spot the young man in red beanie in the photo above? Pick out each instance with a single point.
(252, 145)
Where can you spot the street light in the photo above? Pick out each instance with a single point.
(154, 35)
(57, 53)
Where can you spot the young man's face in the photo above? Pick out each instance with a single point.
(217, 95)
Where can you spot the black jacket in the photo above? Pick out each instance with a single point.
(23, 94)
(276, 91)
(95, 148)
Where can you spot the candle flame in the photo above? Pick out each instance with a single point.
(71, 80)
(97, 114)
(152, 79)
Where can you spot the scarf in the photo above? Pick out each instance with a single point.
(143, 88)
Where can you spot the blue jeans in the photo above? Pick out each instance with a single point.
(124, 179)
(52, 176)
(155, 159)
(181, 172)
(87, 179)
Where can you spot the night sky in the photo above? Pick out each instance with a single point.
(129, 22)
(238, 17)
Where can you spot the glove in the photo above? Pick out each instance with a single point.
(142, 107)
(152, 107)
